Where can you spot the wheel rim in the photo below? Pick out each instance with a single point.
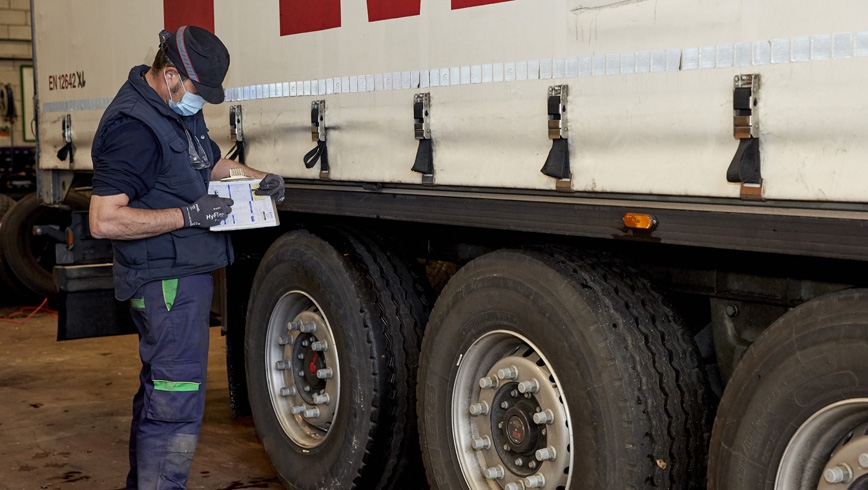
(302, 369)
(825, 451)
(511, 425)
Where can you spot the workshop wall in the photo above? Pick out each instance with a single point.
(16, 50)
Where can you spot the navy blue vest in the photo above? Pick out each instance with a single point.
(182, 252)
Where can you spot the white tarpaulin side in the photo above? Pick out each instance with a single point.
(650, 89)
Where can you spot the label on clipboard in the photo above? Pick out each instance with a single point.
(249, 210)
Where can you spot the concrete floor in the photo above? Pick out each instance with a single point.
(65, 414)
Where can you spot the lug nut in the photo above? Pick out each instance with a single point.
(325, 373)
(480, 443)
(319, 346)
(546, 454)
(311, 413)
(508, 373)
(307, 390)
(284, 340)
(532, 465)
(863, 460)
(838, 474)
(288, 391)
(305, 343)
(519, 462)
(323, 399)
(298, 409)
(504, 405)
(535, 481)
(493, 473)
(307, 327)
(546, 417)
(480, 408)
(488, 382)
(292, 325)
(531, 386)
(281, 365)
(514, 486)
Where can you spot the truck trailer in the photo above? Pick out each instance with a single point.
(572, 244)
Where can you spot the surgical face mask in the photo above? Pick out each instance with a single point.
(190, 103)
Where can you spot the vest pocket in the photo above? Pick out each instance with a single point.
(178, 144)
(131, 253)
(177, 170)
(193, 247)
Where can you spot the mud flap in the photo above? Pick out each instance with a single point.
(86, 304)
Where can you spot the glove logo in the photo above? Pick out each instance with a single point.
(211, 212)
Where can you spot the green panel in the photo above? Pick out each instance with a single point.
(138, 303)
(162, 385)
(170, 291)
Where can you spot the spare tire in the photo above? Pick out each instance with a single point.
(31, 258)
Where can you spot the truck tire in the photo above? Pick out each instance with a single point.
(6, 204)
(29, 258)
(587, 368)
(14, 293)
(799, 393)
(366, 309)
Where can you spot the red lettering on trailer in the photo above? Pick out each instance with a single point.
(298, 16)
(460, 4)
(177, 13)
(392, 9)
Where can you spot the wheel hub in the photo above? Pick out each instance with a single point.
(302, 369)
(516, 431)
(516, 436)
(510, 423)
(309, 363)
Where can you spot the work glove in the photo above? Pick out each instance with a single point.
(209, 210)
(272, 185)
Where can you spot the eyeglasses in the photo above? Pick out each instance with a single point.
(198, 158)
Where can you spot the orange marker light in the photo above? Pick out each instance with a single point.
(639, 221)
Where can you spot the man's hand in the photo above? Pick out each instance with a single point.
(272, 185)
(209, 210)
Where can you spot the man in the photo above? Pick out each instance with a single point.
(152, 161)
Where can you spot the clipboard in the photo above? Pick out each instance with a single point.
(249, 210)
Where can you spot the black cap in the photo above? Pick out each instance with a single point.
(201, 57)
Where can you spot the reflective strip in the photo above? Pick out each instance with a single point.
(838, 46)
(76, 105)
(170, 291)
(185, 57)
(162, 385)
(138, 303)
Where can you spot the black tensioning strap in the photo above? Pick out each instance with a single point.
(320, 151)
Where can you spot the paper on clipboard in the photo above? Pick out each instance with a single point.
(249, 210)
